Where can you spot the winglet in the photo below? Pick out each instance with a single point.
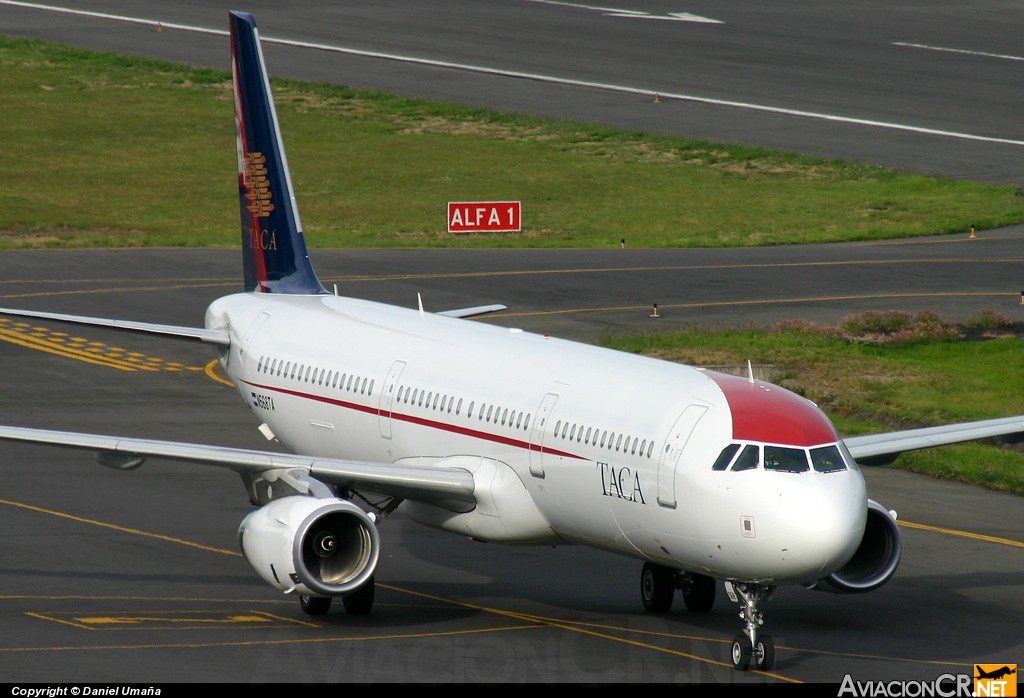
(273, 248)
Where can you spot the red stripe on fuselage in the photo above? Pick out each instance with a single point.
(770, 414)
(430, 423)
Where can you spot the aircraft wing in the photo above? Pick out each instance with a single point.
(474, 311)
(421, 483)
(879, 449)
(197, 334)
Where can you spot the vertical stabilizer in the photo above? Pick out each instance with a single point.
(273, 248)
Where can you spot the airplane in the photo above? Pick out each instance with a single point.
(996, 673)
(505, 436)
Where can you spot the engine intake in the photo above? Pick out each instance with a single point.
(876, 558)
(317, 547)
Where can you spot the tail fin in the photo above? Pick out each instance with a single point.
(273, 248)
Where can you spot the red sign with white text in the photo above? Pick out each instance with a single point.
(484, 217)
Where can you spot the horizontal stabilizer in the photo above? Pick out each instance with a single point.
(195, 334)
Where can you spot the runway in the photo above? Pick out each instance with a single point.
(134, 577)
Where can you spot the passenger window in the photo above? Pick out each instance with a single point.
(469, 413)
(650, 449)
(458, 407)
(504, 416)
(587, 440)
(618, 443)
(827, 459)
(787, 460)
(748, 459)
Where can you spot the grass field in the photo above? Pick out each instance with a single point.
(107, 150)
(115, 151)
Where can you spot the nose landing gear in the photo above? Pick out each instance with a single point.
(751, 647)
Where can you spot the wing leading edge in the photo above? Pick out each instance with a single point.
(450, 487)
(879, 449)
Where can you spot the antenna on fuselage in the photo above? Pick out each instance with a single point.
(750, 371)
(419, 301)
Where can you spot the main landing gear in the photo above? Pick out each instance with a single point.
(751, 647)
(358, 603)
(658, 586)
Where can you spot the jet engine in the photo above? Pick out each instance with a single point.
(316, 547)
(876, 558)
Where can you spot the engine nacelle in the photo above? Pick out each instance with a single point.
(876, 558)
(316, 547)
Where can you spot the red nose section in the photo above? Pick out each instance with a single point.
(765, 412)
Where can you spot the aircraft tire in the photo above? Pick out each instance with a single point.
(699, 593)
(315, 605)
(360, 602)
(657, 587)
(742, 651)
(764, 653)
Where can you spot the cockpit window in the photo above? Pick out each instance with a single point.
(725, 457)
(747, 460)
(827, 459)
(787, 460)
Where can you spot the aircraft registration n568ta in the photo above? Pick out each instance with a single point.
(506, 436)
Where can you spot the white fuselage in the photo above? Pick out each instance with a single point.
(614, 450)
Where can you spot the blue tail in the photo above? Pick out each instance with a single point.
(273, 248)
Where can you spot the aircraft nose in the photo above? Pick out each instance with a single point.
(821, 522)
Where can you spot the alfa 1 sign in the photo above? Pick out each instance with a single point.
(484, 216)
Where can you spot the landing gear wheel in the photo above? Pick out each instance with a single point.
(764, 653)
(699, 592)
(359, 602)
(315, 605)
(657, 587)
(741, 652)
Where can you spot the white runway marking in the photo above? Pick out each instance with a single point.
(982, 54)
(552, 79)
